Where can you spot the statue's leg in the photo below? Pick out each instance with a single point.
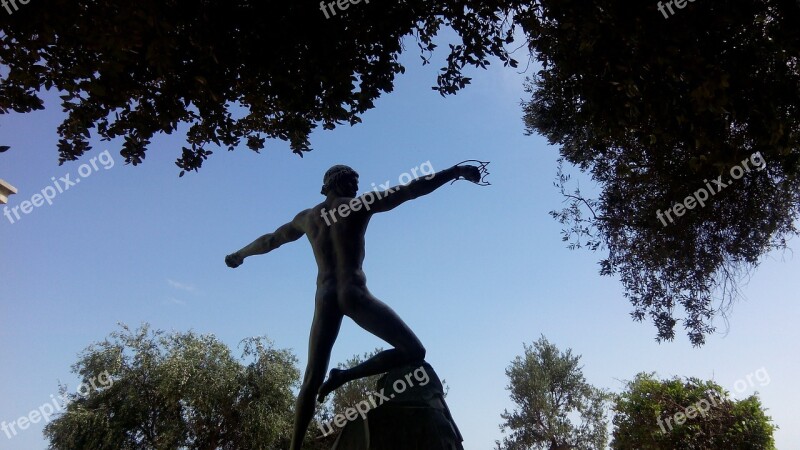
(379, 319)
(324, 329)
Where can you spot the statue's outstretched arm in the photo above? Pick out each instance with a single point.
(394, 197)
(289, 232)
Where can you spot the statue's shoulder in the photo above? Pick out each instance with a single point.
(307, 216)
(303, 216)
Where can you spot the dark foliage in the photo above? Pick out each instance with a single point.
(231, 70)
(654, 109)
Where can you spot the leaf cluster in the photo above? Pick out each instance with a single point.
(179, 390)
(233, 71)
(644, 417)
(653, 109)
(555, 407)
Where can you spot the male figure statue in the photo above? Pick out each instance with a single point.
(338, 245)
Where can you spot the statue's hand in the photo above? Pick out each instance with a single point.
(470, 173)
(234, 260)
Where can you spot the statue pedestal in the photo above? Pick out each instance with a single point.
(415, 418)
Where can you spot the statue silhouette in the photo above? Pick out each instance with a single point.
(336, 229)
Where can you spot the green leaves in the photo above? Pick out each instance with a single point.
(651, 109)
(669, 414)
(179, 390)
(550, 392)
(140, 68)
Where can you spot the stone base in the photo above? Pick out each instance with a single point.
(415, 418)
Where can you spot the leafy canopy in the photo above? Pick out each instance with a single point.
(654, 109)
(179, 390)
(555, 407)
(231, 70)
(694, 414)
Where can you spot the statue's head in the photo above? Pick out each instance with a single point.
(340, 180)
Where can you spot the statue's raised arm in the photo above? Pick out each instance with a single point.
(397, 195)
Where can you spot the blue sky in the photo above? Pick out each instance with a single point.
(475, 271)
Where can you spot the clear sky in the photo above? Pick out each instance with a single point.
(475, 271)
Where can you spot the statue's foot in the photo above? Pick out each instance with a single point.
(331, 384)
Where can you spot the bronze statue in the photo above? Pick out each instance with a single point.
(336, 229)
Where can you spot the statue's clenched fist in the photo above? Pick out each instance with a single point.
(470, 173)
(234, 260)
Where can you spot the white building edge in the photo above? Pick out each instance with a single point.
(5, 190)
